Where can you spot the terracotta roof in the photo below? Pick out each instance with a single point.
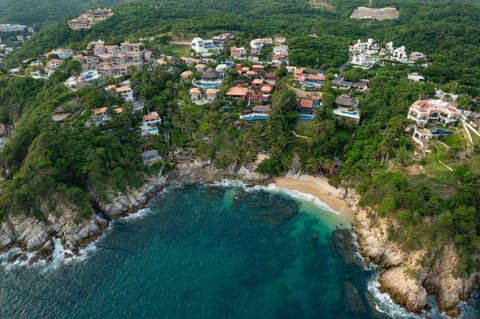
(150, 117)
(266, 88)
(186, 74)
(99, 110)
(122, 89)
(258, 66)
(211, 91)
(237, 90)
(194, 91)
(257, 82)
(118, 110)
(251, 73)
(245, 69)
(305, 103)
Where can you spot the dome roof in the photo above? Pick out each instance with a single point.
(210, 74)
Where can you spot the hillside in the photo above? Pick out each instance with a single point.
(40, 13)
(427, 197)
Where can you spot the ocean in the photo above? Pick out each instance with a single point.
(223, 251)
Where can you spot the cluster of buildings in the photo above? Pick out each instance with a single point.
(366, 54)
(15, 28)
(279, 52)
(211, 46)
(89, 18)
(100, 60)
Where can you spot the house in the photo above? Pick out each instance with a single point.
(195, 95)
(59, 114)
(258, 68)
(210, 75)
(200, 67)
(149, 123)
(279, 49)
(270, 78)
(151, 119)
(347, 107)
(257, 44)
(312, 79)
(211, 94)
(415, 77)
(99, 116)
(61, 53)
(185, 75)
(150, 157)
(340, 83)
(237, 93)
(52, 65)
(279, 39)
(400, 55)
(126, 92)
(369, 47)
(238, 53)
(205, 47)
(417, 57)
(223, 38)
(257, 83)
(308, 104)
(433, 111)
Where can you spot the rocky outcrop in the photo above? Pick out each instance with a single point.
(31, 234)
(405, 277)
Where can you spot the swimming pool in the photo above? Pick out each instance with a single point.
(207, 85)
(305, 117)
(254, 116)
(350, 112)
(441, 132)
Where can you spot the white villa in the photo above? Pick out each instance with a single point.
(433, 111)
(366, 54)
(257, 44)
(205, 47)
(149, 124)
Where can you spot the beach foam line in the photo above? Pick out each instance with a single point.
(385, 304)
(275, 189)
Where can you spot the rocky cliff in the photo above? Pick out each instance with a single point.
(34, 237)
(406, 277)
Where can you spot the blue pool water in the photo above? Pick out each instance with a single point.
(251, 117)
(305, 117)
(207, 85)
(441, 132)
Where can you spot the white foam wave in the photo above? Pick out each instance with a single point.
(138, 215)
(384, 304)
(275, 189)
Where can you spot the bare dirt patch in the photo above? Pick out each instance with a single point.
(387, 13)
(322, 4)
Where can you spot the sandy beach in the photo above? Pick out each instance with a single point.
(320, 188)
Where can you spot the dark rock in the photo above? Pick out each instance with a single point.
(67, 255)
(15, 257)
(344, 244)
(353, 298)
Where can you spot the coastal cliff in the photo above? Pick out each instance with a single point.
(409, 277)
(34, 237)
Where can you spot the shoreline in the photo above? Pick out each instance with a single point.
(319, 187)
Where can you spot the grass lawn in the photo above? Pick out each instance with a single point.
(304, 128)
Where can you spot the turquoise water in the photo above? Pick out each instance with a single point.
(251, 117)
(202, 252)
